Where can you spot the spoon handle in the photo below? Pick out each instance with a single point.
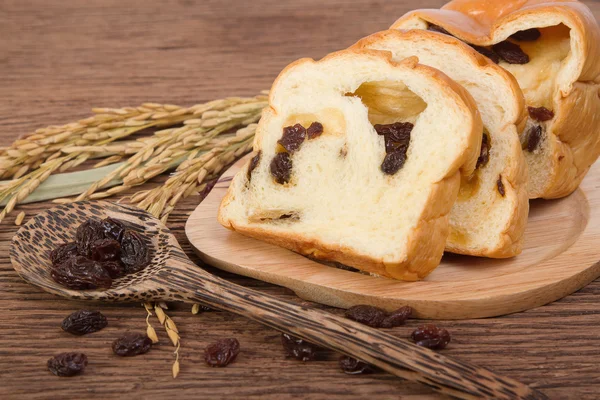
(396, 356)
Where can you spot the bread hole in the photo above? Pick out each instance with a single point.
(389, 102)
(274, 216)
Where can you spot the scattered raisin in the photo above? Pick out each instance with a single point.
(314, 130)
(79, 273)
(489, 53)
(393, 162)
(293, 137)
(540, 113)
(67, 364)
(352, 366)
(298, 348)
(115, 269)
(437, 28)
(131, 344)
(134, 252)
(113, 228)
(396, 318)
(63, 252)
(106, 250)
(500, 185)
(83, 322)
(367, 315)
(484, 155)
(281, 168)
(222, 352)
(528, 35)
(253, 164)
(533, 138)
(87, 233)
(511, 52)
(431, 336)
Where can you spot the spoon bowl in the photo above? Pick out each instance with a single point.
(172, 276)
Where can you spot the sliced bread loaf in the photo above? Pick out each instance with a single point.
(358, 160)
(490, 215)
(551, 47)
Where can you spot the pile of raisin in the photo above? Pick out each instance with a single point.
(431, 336)
(67, 364)
(103, 250)
(397, 140)
(292, 139)
(298, 348)
(376, 317)
(132, 344)
(83, 322)
(222, 352)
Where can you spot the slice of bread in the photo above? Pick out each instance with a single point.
(324, 192)
(490, 215)
(551, 47)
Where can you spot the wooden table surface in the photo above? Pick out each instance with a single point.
(59, 58)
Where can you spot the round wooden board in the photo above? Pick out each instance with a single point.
(561, 255)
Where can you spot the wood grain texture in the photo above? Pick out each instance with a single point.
(560, 256)
(59, 58)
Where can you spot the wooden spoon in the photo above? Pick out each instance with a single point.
(173, 277)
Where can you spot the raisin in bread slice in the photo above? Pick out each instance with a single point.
(358, 160)
(551, 47)
(490, 215)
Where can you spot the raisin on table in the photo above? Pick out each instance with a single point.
(67, 364)
(87, 233)
(367, 315)
(132, 344)
(222, 352)
(79, 273)
(352, 366)
(431, 336)
(63, 252)
(135, 254)
(298, 348)
(397, 318)
(83, 322)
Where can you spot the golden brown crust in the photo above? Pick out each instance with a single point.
(485, 22)
(426, 243)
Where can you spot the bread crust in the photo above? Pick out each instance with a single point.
(425, 243)
(509, 240)
(486, 22)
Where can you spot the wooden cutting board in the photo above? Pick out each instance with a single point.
(561, 255)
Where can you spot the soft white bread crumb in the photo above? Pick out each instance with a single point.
(343, 207)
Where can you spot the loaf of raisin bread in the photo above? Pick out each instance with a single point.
(552, 48)
(490, 214)
(358, 159)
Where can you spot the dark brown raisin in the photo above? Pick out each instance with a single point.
(437, 28)
(281, 168)
(314, 130)
(293, 137)
(115, 269)
(528, 35)
(79, 273)
(393, 162)
(83, 322)
(106, 250)
(431, 336)
(67, 364)
(222, 352)
(484, 155)
(131, 344)
(511, 52)
(397, 318)
(352, 366)
(500, 185)
(398, 131)
(540, 113)
(63, 252)
(253, 164)
(87, 233)
(135, 254)
(367, 315)
(113, 228)
(298, 348)
(533, 138)
(489, 53)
